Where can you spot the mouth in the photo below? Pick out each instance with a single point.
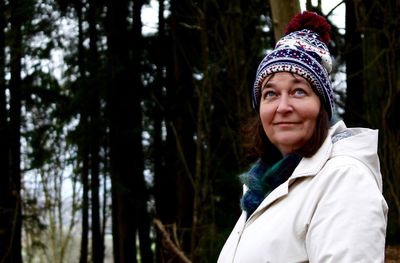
(286, 123)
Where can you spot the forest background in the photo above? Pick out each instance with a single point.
(128, 149)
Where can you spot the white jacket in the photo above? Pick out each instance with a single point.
(330, 210)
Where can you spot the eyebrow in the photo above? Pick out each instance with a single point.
(294, 81)
(301, 80)
(267, 85)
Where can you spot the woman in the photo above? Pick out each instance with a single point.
(314, 195)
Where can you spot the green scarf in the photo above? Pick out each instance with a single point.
(262, 179)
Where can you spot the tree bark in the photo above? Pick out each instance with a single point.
(13, 251)
(124, 225)
(83, 144)
(140, 189)
(354, 110)
(95, 131)
(164, 182)
(85, 204)
(381, 57)
(169, 244)
(121, 130)
(5, 176)
(180, 115)
(124, 102)
(282, 12)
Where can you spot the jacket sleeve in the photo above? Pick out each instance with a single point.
(349, 220)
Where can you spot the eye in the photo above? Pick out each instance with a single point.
(268, 94)
(299, 92)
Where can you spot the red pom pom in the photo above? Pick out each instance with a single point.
(311, 21)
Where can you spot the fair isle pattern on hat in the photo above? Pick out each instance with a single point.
(300, 63)
(303, 52)
(308, 41)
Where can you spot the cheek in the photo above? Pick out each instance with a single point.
(311, 121)
(310, 111)
(313, 116)
(266, 117)
(266, 113)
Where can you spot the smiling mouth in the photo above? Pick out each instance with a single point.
(286, 123)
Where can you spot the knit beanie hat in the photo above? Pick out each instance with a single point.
(303, 51)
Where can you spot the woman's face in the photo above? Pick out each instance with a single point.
(288, 110)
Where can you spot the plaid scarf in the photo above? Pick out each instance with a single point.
(262, 179)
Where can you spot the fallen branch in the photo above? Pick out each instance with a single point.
(169, 244)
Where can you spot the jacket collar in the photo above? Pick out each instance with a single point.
(312, 165)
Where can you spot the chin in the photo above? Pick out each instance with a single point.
(288, 143)
(288, 140)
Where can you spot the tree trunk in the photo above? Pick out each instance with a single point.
(282, 12)
(84, 173)
(164, 182)
(4, 169)
(140, 190)
(121, 143)
(83, 143)
(14, 200)
(125, 95)
(5, 176)
(180, 115)
(354, 69)
(201, 176)
(95, 131)
(124, 225)
(380, 42)
(85, 204)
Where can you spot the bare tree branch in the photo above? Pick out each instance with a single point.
(169, 244)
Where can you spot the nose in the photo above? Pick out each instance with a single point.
(284, 105)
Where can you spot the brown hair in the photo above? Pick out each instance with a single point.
(258, 145)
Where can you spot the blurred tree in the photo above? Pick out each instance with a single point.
(48, 227)
(140, 189)
(164, 182)
(83, 137)
(215, 49)
(12, 207)
(87, 101)
(282, 12)
(380, 31)
(238, 36)
(353, 55)
(95, 130)
(180, 116)
(130, 216)
(6, 218)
